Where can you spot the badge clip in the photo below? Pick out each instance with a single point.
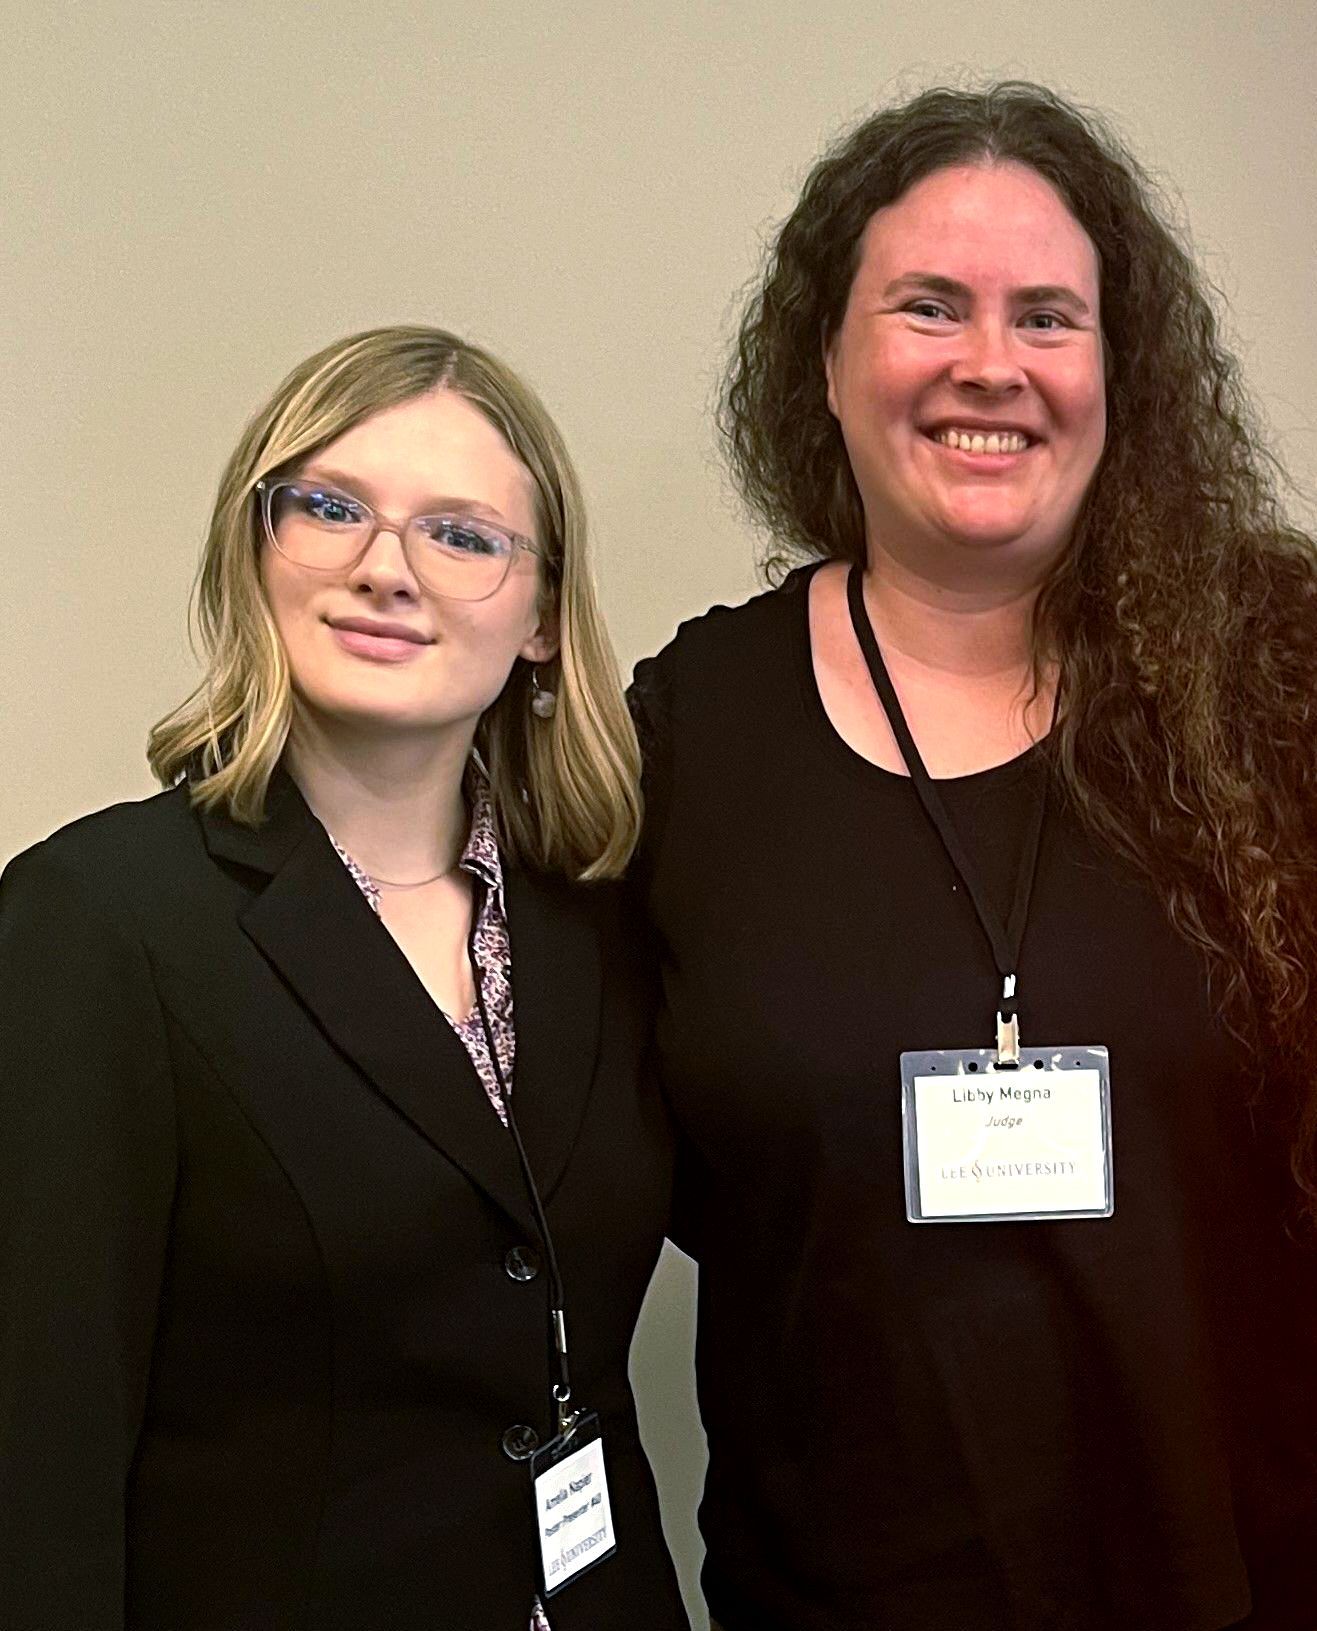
(562, 1390)
(567, 1417)
(1008, 1030)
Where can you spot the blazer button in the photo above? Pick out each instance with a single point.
(522, 1263)
(520, 1443)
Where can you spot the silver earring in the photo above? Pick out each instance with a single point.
(542, 700)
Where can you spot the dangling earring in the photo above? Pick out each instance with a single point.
(542, 700)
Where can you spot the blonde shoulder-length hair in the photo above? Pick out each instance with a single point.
(566, 789)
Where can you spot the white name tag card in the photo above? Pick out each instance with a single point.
(572, 1511)
(990, 1143)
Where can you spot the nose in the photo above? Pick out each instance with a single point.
(987, 361)
(384, 571)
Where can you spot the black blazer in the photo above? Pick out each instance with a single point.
(264, 1320)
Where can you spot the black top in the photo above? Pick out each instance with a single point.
(1096, 1425)
(273, 1317)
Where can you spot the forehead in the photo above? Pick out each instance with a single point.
(435, 445)
(984, 225)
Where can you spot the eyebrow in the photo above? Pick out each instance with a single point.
(1055, 294)
(439, 505)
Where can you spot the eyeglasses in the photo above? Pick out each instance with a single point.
(455, 555)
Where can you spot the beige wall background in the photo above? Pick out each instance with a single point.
(194, 196)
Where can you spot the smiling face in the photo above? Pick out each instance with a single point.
(967, 372)
(370, 645)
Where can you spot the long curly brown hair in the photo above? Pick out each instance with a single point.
(1183, 616)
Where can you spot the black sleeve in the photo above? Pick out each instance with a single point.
(87, 1165)
(649, 699)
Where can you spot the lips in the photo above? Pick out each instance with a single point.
(379, 630)
(378, 641)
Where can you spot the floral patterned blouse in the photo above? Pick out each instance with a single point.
(493, 957)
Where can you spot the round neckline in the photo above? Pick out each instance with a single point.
(833, 747)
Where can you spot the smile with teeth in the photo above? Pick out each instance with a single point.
(977, 441)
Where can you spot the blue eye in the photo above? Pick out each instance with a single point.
(459, 535)
(329, 508)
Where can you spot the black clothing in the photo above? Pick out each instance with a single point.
(265, 1315)
(1097, 1425)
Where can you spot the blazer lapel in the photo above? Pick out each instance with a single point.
(314, 926)
(556, 993)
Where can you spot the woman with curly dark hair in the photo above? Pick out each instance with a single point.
(983, 858)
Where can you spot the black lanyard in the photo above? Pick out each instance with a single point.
(562, 1387)
(1004, 939)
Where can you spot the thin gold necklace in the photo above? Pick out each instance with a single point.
(388, 883)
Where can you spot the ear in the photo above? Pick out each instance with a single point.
(541, 646)
(829, 370)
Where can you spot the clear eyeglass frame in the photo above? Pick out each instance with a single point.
(402, 528)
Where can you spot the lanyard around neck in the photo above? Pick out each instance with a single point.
(1005, 939)
(562, 1385)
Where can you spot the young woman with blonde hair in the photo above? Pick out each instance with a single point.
(285, 1286)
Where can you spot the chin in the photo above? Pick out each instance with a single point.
(371, 714)
(988, 528)
(981, 535)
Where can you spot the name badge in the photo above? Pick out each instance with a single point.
(573, 1514)
(986, 1142)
